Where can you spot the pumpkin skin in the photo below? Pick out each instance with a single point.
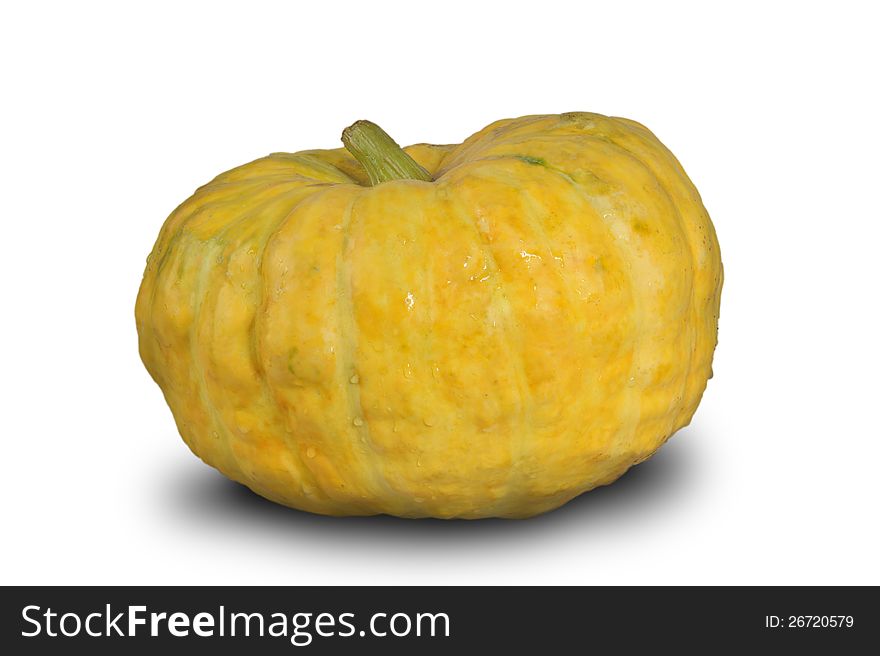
(525, 327)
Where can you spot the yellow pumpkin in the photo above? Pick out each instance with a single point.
(474, 330)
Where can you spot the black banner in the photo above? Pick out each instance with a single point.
(436, 620)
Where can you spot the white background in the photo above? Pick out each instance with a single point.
(112, 115)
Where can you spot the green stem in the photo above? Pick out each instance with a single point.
(380, 155)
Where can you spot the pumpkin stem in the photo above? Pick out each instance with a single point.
(380, 155)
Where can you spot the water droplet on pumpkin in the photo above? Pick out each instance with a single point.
(354, 380)
(429, 421)
(410, 300)
(631, 382)
(357, 421)
(215, 435)
(310, 452)
(407, 370)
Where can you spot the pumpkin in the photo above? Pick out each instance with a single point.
(473, 330)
